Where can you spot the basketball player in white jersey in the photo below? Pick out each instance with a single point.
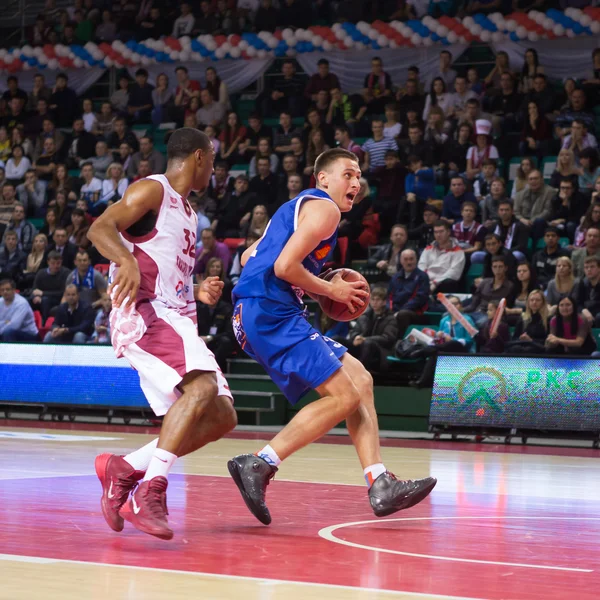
(150, 238)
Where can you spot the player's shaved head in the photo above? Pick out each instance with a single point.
(326, 159)
(186, 141)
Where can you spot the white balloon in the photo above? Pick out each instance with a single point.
(558, 30)
(38, 51)
(159, 46)
(26, 66)
(359, 45)
(291, 42)
(27, 51)
(251, 51)
(382, 40)
(78, 63)
(595, 27)
(427, 42)
(521, 32)
(497, 36)
(211, 45)
(416, 39)
(327, 46)
(349, 43)
(136, 58)
(532, 36)
(226, 46)
(468, 21)
(362, 26)
(9, 58)
(263, 35)
(548, 23)
(476, 29)
(199, 58)
(485, 37)
(335, 27)
(452, 38)
(442, 31)
(145, 61)
(299, 34)
(108, 62)
(394, 45)
(220, 53)
(585, 20)
(511, 25)
(126, 53)
(288, 33)
(98, 55)
(570, 33)
(174, 55)
(243, 45)
(185, 55)
(290, 52)
(43, 59)
(235, 52)
(317, 41)
(462, 40)
(52, 64)
(569, 12)
(261, 54)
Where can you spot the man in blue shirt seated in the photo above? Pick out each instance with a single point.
(452, 207)
(17, 323)
(409, 292)
(420, 188)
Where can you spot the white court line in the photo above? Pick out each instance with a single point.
(327, 534)
(53, 437)
(397, 593)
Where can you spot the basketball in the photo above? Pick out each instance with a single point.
(337, 310)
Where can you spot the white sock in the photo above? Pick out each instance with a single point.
(269, 455)
(160, 465)
(140, 459)
(372, 472)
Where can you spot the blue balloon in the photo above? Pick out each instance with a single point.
(310, 46)
(204, 52)
(435, 37)
(514, 37)
(375, 45)
(578, 28)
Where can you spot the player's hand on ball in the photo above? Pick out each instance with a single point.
(350, 293)
(126, 283)
(210, 290)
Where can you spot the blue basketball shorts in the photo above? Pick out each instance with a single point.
(294, 354)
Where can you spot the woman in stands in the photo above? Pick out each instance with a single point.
(531, 329)
(16, 166)
(570, 333)
(492, 80)
(526, 283)
(61, 182)
(233, 134)
(589, 172)
(214, 268)
(50, 222)
(531, 68)
(263, 150)
(437, 96)
(591, 219)
(488, 342)
(565, 169)
(17, 139)
(217, 88)
(520, 182)
(562, 285)
(537, 132)
(258, 221)
(115, 184)
(316, 145)
(77, 230)
(63, 212)
(34, 260)
(162, 96)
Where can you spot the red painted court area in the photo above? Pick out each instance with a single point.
(455, 544)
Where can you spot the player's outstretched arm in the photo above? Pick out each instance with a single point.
(139, 199)
(318, 220)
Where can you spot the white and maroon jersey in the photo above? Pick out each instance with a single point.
(166, 257)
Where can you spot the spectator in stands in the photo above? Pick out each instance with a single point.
(264, 184)
(283, 134)
(411, 98)
(451, 337)
(285, 93)
(62, 182)
(186, 89)
(236, 205)
(147, 152)
(377, 87)
(533, 205)
(211, 112)
(408, 292)
(525, 283)
(48, 131)
(123, 156)
(531, 67)
(467, 231)
(454, 152)
(12, 259)
(44, 166)
(17, 165)
(258, 221)
(17, 139)
(77, 230)
(587, 291)
(494, 247)
(264, 151)
(436, 136)
(184, 24)
(24, 229)
(545, 260)
(221, 182)
(575, 110)
(255, 131)
(80, 145)
(591, 249)
(376, 147)
(452, 206)
(115, 184)
(63, 101)
(423, 233)
(107, 30)
(32, 194)
(120, 98)
(73, 322)
(483, 181)
(419, 186)
(50, 222)
(532, 326)
(236, 263)
(63, 212)
(233, 134)
(89, 117)
(122, 134)
(292, 189)
(591, 219)
(143, 171)
(392, 126)
(458, 100)
(90, 283)
(482, 150)
(565, 169)
(17, 116)
(34, 123)
(391, 187)
(266, 18)
(579, 139)
(488, 343)
(206, 22)
(162, 100)
(505, 105)
(445, 71)
(513, 234)
(568, 208)
(17, 323)
(4, 146)
(314, 122)
(60, 243)
(416, 146)
(343, 140)
(8, 202)
(536, 133)
(13, 90)
(543, 96)
(387, 257)
(570, 333)
(49, 284)
(438, 96)
(101, 159)
(491, 288)
(140, 104)
(375, 332)
(343, 109)
(91, 190)
(443, 261)
(589, 172)
(101, 333)
(322, 80)
(208, 248)
(316, 146)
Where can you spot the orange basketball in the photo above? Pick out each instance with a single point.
(337, 310)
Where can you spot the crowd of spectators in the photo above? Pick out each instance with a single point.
(440, 209)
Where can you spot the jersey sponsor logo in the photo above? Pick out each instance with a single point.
(321, 253)
(185, 268)
(181, 289)
(238, 328)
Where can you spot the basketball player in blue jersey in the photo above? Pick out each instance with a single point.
(270, 326)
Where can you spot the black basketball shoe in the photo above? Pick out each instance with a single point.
(252, 475)
(389, 494)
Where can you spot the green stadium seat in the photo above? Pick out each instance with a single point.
(242, 167)
(74, 172)
(360, 140)
(473, 273)
(563, 242)
(37, 223)
(434, 318)
(440, 192)
(548, 166)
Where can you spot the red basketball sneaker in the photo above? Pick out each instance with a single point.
(118, 478)
(147, 510)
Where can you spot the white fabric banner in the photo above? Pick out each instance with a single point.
(79, 79)
(352, 66)
(237, 74)
(561, 58)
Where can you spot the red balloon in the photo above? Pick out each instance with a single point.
(220, 39)
(278, 34)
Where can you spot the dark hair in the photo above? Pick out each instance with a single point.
(533, 283)
(415, 126)
(469, 203)
(62, 76)
(581, 122)
(446, 52)
(592, 259)
(473, 102)
(504, 201)
(54, 255)
(443, 224)
(8, 281)
(413, 158)
(286, 112)
(414, 69)
(214, 87)
(492, 236)
(536, 62)
(378, 291)
(560, 324)
(592, 155)
(391, 154)
(399, 226)
(181, 68)
(254, 115)
(323, 61)
(79, 212)
(222, 164)
(327, 158)
(141, 72)
(499, 258)
(489, 161)
(432, 208)
(342, 129)
(587, 220)
(186, 141)
(432, 93)
(540, 76)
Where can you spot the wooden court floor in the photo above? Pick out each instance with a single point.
(506, 523)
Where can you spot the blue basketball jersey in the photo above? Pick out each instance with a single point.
(258, 279)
